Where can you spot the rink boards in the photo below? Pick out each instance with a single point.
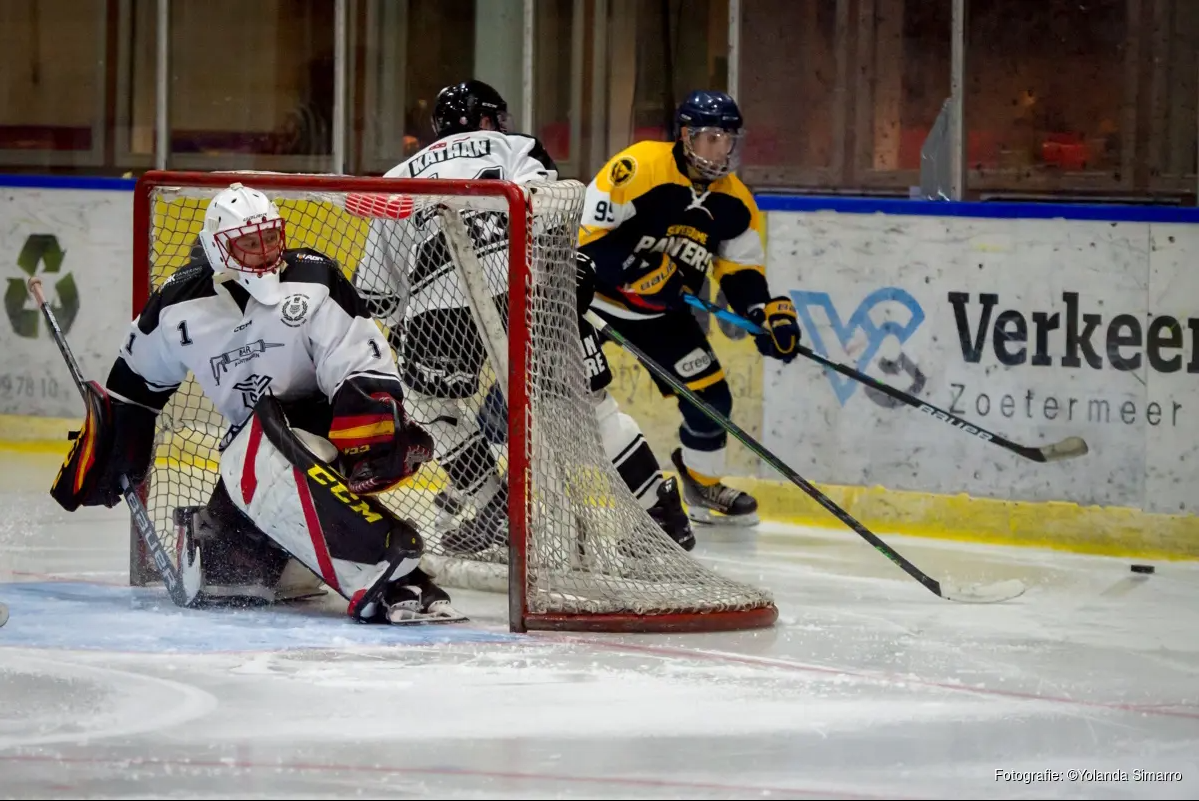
(1035, 321)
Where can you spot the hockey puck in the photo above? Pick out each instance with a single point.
(1142, 568)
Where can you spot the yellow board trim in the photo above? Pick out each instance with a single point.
(1057, 525)
(1098, 530)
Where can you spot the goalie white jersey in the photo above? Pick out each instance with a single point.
(239, 349)
(410, 268)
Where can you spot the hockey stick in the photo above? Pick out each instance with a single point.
(3, 615)
(991, 593)
(182, 595)
(1068, 448)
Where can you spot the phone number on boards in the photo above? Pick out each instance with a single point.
(26, 386)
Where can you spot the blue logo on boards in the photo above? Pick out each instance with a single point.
(862, 321)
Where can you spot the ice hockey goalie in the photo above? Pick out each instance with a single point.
(282, 345)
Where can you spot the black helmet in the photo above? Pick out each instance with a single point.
(460, 108)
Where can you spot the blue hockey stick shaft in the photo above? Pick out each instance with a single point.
(1068, 448)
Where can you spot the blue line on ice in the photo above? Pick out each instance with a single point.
(83, 616)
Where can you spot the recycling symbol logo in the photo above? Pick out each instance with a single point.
(40, 251)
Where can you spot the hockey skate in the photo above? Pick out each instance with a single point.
(415, 599)
(715, 504)
(668, 513)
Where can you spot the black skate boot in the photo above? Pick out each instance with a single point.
(416, 599)
(668, 513)
(488, 528)
(717, 504)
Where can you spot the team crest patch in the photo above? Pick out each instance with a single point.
(295, 308)
(623, 171)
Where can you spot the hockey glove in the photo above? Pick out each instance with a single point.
(778, 317)
(584, 281)
(117, 439)
(379, 445)
(653, 287)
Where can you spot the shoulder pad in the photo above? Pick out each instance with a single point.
(191, 282)
(637, 169)
(187, 273)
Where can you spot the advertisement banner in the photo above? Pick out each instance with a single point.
(79, 243)
(1034, 329)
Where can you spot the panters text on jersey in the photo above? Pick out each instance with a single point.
(685, 244)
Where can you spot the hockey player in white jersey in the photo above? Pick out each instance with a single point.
(283, 346)
(417, 292)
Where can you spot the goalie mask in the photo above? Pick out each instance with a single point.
(243, 238)
(710, 126)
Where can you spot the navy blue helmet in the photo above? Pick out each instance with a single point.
(706, 109)
(715, 117)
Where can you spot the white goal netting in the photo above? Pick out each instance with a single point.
(441, 273)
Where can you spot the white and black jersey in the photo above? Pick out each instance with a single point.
(319, 336)
(406, 267)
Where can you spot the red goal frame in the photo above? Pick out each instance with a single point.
(519, 510)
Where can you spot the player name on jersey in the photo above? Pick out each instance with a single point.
(438, 152)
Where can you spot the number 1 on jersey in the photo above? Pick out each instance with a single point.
(184, 339)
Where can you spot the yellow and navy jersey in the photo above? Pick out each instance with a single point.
(643, 203)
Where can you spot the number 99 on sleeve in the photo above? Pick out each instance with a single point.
(605, 212)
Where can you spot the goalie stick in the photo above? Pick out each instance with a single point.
(1068, 448)
(991, 593)
(183, 586)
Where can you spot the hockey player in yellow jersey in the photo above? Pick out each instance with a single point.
(657, 218)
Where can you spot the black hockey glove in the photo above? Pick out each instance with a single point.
(117, 439)
(584, 281)
(653, 287)
(379, 445)
(778, 317)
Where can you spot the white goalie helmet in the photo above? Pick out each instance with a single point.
(243, 238)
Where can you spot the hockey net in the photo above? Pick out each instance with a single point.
(580, 553)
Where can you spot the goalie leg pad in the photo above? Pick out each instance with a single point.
(354, 543)
(238, 566)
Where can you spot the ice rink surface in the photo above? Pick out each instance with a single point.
(869, 686)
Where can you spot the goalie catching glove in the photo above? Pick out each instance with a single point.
(117, 439)
(379, 445)
(782, 335)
